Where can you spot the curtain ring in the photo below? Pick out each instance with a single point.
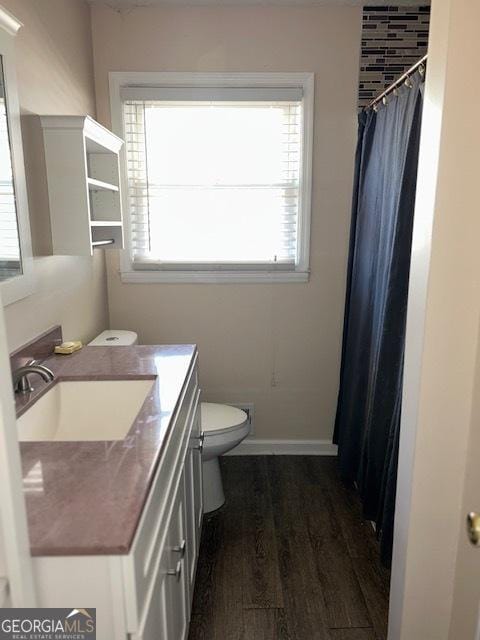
(375, 107)
(408, 82)
(396, 92)
(385, 100)
(421, 70)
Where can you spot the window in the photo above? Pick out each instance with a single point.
(217, 180)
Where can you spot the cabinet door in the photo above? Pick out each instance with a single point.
(192, 540)
(193, 499)
(167, 614)
(198, 479)
(154, 626)
(176, 592)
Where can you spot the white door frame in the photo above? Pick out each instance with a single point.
(442, 333)
(16, 546)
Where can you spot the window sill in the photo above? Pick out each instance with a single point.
(213, 277)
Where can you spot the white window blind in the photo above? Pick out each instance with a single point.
(213, 183)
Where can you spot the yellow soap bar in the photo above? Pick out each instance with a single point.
(68, 347)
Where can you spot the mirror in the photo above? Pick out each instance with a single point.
(10, 254)
(16, 262)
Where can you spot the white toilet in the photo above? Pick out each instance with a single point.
(114, 338)
(224, 427)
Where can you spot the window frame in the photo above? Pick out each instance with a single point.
(237, 274)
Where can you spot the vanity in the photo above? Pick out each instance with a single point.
(115, 513)
(110, 444)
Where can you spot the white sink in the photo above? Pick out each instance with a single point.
(84, 410)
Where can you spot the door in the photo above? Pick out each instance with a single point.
(466, 600)
(15, 563)
(435, 574)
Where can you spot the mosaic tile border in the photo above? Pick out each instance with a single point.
(393, 39)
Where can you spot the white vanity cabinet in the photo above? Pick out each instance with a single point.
(146, 594)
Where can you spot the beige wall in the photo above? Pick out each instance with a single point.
(55, 76)
(435, 588)
(276, 345)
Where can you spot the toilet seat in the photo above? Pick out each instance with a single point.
(220, 418)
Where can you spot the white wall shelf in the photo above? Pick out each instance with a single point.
(105, 223)
(98, 185)
(82, 166)
(102, 243)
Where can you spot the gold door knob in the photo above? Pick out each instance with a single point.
(473, 528)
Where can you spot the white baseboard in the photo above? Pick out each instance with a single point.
(256, 447)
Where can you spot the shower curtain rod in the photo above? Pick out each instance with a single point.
(398, 82)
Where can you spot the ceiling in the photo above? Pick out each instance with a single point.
(128, 4)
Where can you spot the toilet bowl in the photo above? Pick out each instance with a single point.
(224, 427)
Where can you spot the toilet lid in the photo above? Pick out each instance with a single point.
(114, 338)
(221, 417)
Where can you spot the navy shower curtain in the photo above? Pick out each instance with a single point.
(369, 403)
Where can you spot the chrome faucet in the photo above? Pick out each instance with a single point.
(21, 383)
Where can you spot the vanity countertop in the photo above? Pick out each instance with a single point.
(86, 498)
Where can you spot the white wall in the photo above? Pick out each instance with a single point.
(55, 76)
(276, 345)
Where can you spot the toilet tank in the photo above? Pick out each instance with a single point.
(115, 338)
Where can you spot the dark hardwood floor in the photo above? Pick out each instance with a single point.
(288, 557)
